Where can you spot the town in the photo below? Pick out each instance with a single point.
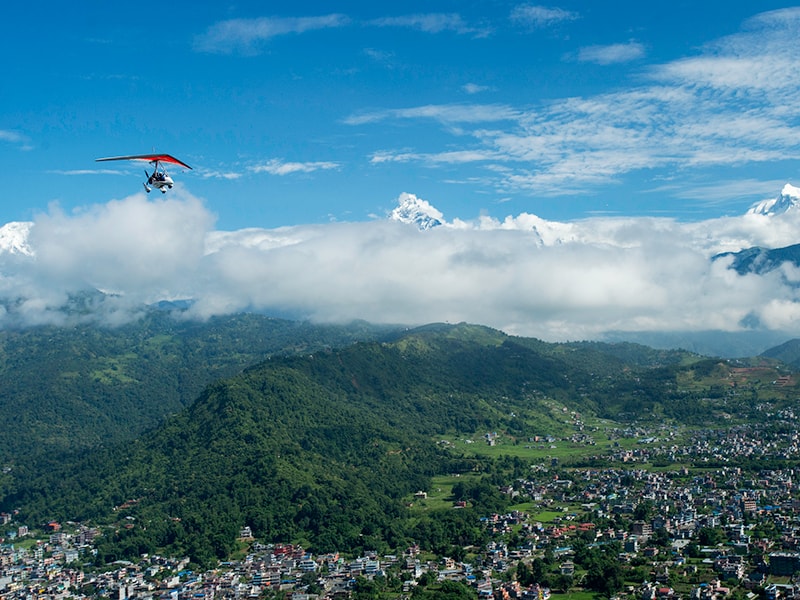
(707, 527)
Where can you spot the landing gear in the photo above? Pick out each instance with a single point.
(157, 179)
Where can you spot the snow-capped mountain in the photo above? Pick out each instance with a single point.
(416, 211)
(788, 199)
(14, 238)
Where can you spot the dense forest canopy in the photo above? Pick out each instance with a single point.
(74, 388)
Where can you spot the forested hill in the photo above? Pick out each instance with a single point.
(324, 447)
(788, 353)
(70, 388)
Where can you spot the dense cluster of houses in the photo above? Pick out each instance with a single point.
(597, 505)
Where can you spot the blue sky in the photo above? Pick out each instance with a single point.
(312, 112)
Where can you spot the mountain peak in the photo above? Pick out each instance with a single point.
(14, 238)
(416, 211)
(788, 199)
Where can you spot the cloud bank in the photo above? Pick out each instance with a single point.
(521, 274)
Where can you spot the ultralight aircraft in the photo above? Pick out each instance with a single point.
(159, 178)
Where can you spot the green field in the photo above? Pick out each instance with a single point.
(440, 495)
(576, 595)
(536, 452)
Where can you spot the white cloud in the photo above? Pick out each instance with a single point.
(229, 175)
(427, 22)
(87, 172)
(379, 56)
(522, 274)
(474, 88)
(455, 157)
(611, 54)
(536, 16)
(279, 167)
(10, 136)
(444, 113)
(15, 137)
(152, 243)
(246, 35)
(722, 192)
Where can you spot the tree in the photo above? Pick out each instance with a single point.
(604, 572)
(660, 537)
(451, 590)
(692, 550)
(563, 582)
(605, 578)
(710, 536)
(524, 575)
(364, 589)
(310, 581)
(643, 511)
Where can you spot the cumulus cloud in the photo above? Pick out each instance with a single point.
(521, 273)
(107, 247)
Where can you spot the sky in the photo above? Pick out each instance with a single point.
(587, 158)
(311, 112)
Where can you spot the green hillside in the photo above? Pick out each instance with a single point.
(788, 352)
(325, 448)
(68, 389)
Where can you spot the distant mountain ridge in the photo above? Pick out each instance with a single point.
(788, 199)
(761, 260)
(788, 352)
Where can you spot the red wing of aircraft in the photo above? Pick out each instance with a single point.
(153, 158)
